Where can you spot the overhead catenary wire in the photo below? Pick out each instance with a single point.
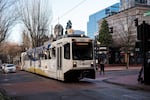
(70, 10)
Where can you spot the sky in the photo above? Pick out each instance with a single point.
(78, 11)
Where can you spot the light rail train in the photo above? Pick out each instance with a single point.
(68, 58)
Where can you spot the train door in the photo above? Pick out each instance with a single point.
(59, 63)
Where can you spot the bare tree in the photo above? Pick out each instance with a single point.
(7, 17)
(10, 51)
(126, 35)
(26, 41)
(36, 16)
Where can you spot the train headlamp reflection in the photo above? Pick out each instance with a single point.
(92, 65)
(74, 64)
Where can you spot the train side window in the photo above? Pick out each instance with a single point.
(49, 56)
(45, 55)
(41, 56)
(26, 57)
(53, 52)
(67, 51)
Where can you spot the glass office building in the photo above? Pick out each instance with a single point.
(92, 24)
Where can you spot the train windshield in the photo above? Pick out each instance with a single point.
(82, 50)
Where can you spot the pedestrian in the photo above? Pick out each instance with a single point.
(99, 67)
(102, 65)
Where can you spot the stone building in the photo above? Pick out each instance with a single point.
(125, 4)
(124, 29)
(123, 23)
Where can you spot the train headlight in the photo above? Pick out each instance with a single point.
(82, 35)
(74, 64)
(92, 65)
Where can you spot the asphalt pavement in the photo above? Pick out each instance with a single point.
(127, 80)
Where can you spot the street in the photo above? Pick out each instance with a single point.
(27, 86)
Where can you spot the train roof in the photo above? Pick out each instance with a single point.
(47, 45)
(72, 35)
(76, 35)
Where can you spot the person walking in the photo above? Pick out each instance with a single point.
(99, 66)
(102, 66)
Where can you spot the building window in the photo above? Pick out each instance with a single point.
(107, 11)
(141, 1)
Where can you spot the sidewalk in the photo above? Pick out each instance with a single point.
(129, 81)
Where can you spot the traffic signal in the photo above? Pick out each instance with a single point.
(139, 32)
(143, 31)
(147, 46)
(111, 29)
(136, 22)
(147, 31)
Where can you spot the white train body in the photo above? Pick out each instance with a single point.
(68, 58)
